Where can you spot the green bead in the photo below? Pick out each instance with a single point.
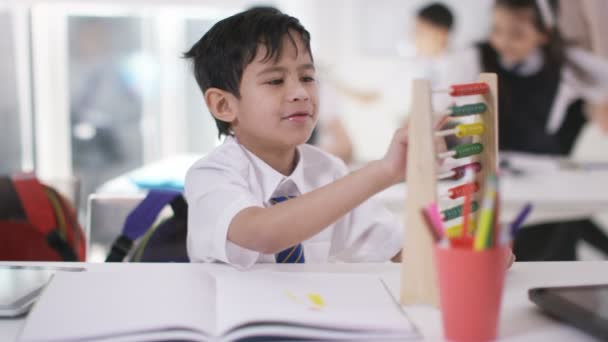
(455, 212)
(470, 109)
(467, 150)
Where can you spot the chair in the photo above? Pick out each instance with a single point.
(106, 215)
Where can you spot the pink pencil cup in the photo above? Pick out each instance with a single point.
(470, 291)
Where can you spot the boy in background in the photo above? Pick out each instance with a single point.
(432, 32)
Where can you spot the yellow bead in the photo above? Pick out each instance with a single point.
(469, 130)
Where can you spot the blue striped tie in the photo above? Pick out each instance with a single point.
(291, 255)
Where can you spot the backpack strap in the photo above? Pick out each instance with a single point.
(140, 220)
(40, 214)
(160, 243)
(67, 225)
(78, 239)
(10, 207)
(180, 207)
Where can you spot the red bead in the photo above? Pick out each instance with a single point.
(469, 89)
(460, 190)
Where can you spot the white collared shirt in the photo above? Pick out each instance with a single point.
(232, 178)
(529, 66)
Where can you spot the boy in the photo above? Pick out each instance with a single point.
(434, 23)
(263, 195)
(433, 26)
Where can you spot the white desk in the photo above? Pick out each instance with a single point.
(557, 193)
(520, 320)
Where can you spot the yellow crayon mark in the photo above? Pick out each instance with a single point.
(293, 297)
(316, 300)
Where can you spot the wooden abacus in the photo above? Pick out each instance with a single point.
(418, 276)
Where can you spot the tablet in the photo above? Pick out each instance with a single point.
(585, 307)
(21, 285)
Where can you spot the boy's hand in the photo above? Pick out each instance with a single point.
(511, 259)
(440, 147)
(395, 159)
(440, 144)
(394, 162)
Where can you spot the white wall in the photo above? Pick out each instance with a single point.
(358, 40)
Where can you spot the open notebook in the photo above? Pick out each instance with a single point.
(191, 304)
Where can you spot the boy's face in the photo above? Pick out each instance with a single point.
(279, 99)
(431, 40)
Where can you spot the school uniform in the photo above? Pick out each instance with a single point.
(231, 178)
(540, 111)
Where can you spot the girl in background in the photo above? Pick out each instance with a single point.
(542, 84)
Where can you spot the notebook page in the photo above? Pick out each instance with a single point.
(269, 332)
(332, 301)
(98, 305)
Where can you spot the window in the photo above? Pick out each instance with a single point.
(112, 91)
(10, 144)
(105, 97)
(202, 131)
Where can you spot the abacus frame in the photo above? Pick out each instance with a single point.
(418, 277)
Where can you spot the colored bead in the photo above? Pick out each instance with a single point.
(455, 231)
(470, 109)
(467, 150)
(469, 130)
(459, 171)
(460, 190)
(455, 212)
(469, 89)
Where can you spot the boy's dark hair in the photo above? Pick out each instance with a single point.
(221, 55)
(438, 15)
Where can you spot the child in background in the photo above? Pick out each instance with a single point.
(542, 84)
(434, 24)
(582, 22)
(264, 195)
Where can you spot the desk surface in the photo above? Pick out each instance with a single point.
(520, 319)
(556, 190)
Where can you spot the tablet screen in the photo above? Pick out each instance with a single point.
(585, 307)
(593, 299)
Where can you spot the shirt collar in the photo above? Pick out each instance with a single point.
(271, 180)
(529, 66)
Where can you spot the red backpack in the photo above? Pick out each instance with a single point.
(37, 223)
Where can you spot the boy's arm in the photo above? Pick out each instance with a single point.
(270, 230)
